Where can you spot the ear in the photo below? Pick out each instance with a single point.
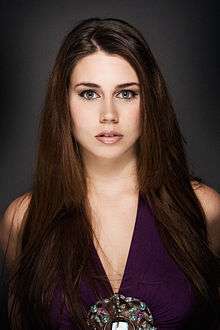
(210, 202)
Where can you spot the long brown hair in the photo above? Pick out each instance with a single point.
(56, 236)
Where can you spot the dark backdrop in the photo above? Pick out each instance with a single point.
(183, 36)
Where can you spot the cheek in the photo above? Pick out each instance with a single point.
(132, 119)
(78, 115)
(83, 121)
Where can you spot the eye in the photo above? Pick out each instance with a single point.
(125, 92)
(89, 93)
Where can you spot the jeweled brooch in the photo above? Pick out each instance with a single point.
(120, 313)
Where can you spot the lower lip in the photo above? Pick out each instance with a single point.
(108, 140)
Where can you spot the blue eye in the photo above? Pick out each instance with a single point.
(87, 92)
(126, 93)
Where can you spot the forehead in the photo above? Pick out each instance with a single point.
(103, 67)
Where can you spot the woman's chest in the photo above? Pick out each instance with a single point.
(151, 276)
(114, 228)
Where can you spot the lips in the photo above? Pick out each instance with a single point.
(109, 134)
(109, 139)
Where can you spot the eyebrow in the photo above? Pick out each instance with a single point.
(89, 84)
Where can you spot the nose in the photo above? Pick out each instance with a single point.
(108, 113)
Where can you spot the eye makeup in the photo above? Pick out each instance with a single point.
(134, 94)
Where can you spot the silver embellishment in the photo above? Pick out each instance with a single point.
(120, 313)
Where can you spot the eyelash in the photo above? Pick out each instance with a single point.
(126, 99)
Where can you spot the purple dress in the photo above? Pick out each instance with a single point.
(150, 275)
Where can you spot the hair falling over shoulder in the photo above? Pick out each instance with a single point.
(57, 232)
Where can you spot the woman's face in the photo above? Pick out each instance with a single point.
(104, 105)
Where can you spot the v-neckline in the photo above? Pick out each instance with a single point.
(130, 253)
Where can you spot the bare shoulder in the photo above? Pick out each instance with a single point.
(210, 201)
(10, 224)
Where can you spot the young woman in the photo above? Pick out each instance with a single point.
(117, 233)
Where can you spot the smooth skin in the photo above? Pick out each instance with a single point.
(111, 168)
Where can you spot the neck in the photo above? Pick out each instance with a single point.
(111, 178)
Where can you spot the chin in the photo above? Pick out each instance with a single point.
(104, 154)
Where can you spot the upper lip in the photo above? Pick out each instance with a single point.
(109, 133)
